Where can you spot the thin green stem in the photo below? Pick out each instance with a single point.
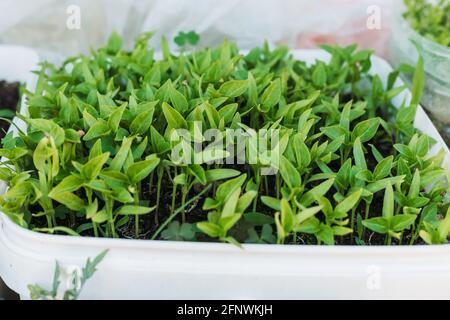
(176, 212)
(277, 182)
(258, 183)
(174, 191)
(158, 189)
(136, 217)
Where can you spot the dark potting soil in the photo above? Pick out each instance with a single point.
(9, 98)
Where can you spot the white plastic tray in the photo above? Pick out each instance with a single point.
(139, 269)
(15, 65)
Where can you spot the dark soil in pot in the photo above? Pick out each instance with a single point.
(9, 99)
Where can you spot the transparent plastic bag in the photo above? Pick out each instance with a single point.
(297, 23)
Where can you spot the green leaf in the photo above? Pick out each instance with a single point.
(402, 221)
(414, 189)
(287, 216)
(305, 214)
(289, 173)
(418, 82)
(319, 76)
(444, 227)
(228, 187)
(326, 234)
(378, 224)
(229, 207)
(349, 202)
(383, 168)
(68, 184)
(404, 151)
(245, 200)
(192, 37)
(258, 219)
(319, 190)
(119, 159)
(210, 229)
(233, 88)
(115, 118)
(41, 154)
(173, 117)
(100, 216)
(134, 210)
(98, 129)
(69, 199)
(180, 179)
(383, 183)
(388, 202)
(93, 167)
(358, 153)
(178, 100)
(271, 202)
(341, 231)
(177, 232)
(142, 122)
(366, 129)
(271, 95)
(140, 170)
(198, 172)
(158, 142)
(114, 43)
(220, 174)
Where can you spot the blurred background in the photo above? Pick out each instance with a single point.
(43, 24)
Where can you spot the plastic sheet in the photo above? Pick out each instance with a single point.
(297, 23)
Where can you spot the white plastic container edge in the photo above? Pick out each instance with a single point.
(138, 269)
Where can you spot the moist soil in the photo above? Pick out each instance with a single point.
(9, 98)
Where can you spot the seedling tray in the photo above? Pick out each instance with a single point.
(146, 269)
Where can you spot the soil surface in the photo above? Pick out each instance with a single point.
(9, 98)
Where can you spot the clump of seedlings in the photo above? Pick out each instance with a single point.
(97, 157)
(430, 19)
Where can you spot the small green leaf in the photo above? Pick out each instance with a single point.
(289, 173)
(98, 129)
(378, 224)
(383, 168)
(134, 210)
(197, 171)
(358, 153)
(319, 76)
(68, 184)
(210, 229)
(220, 174)
(93, 167)
(140, 170)
(402, 221)
(115, 118)
(114, 43)
(348, 203)
(271, 96)
(142, 122)
(69, 199)
(234, 88)
(366, 129)
(287, 216)
(173, 117)
(388, 202)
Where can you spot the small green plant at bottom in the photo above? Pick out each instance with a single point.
(76, 286)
